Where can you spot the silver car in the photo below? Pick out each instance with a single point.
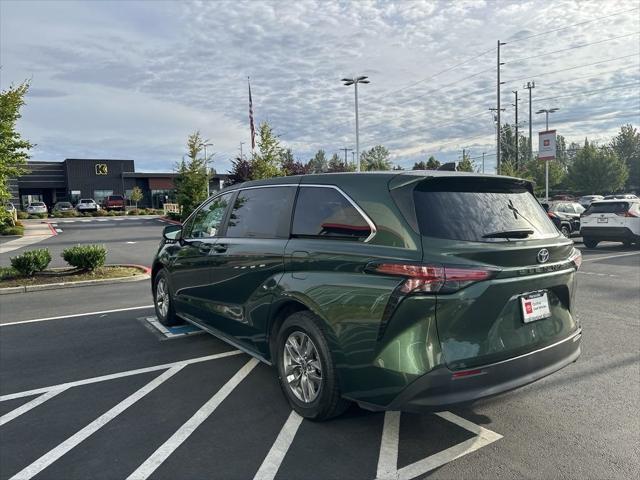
(37, 207)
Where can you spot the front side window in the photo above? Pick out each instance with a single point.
(325, 212)
(207, 220)
(261, 213)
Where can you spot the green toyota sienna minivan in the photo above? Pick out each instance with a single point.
(403, 291)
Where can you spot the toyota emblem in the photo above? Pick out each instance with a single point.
(543, 256)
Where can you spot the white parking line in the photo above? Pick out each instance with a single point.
(593, 259)
(388, 459)
(53, 455)
(273, 460)
(111, 376)
(167, 448)
(75, 315)
(7, 417)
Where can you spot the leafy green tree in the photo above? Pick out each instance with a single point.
(432, 163)
(136, 195)
(421, 165)
(398, 167)
(597, 170)
(319, 163)
(627, 146)
(14, 150)
(191, 181)
(466, 164)
(535, 170)
(376, 159)
(268, 159)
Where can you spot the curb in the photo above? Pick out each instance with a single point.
(169, 220)
(146, 275)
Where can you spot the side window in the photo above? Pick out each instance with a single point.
(207, 221)
(261, 213)
(325, 212)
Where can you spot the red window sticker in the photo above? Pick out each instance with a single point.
(546, 143)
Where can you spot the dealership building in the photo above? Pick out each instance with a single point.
(76, 178)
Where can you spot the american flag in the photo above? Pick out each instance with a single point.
(253, 128)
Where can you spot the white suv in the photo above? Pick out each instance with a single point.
(611, 220)
(87, 205)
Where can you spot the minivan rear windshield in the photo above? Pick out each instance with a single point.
(480, 210)
(607, 207)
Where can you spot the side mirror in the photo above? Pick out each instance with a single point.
(172, 232)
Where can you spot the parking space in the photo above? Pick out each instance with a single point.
(109, 395)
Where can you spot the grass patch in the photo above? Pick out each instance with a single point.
(11, 278)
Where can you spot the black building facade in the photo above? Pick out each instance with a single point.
(75, 178)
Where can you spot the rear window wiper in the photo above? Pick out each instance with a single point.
(516, 233)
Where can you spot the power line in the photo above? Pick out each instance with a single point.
(572, 25)
(570, 48)
(572, 68)
(411, 85)
(589, 92)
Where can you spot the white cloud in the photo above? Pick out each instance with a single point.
(132, 79)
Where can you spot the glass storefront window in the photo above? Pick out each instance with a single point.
(160, 197)
(100, 195)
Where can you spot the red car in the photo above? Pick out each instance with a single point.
(113, 202)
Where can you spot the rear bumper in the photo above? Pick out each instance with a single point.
(439, 389)
(609, 233)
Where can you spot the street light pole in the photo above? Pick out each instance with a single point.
(206, 164)
(355, 81)
(546, 112)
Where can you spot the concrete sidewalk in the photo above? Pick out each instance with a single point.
(33, 233)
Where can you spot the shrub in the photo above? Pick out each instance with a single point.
(7, 273)
(173, 216)
(67, 214)
(23, 215)
(85, 257)
(31, 261)
(33, 216)
(12, 230)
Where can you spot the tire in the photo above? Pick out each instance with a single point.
(164, 304)
(302, 346)
(590, 242)
(565, 230)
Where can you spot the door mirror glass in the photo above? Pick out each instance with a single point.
(172, 232)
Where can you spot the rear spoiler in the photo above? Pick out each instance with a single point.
(416, 176)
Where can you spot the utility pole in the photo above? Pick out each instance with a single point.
(482, 162)
(498, 83)
(241, 157)
(345, 150)
(516, 105)
(496, 120)
(353, 156)
(530, 86)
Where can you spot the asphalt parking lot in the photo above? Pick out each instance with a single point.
(107, 395)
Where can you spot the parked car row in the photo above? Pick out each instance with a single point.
(613, 220)
(112, 202)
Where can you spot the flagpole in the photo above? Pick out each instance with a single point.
(252, 127)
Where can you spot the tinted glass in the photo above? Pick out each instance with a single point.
(608, 207)
(207, 221)
(261, 213)
(469, 210)
(325, 212)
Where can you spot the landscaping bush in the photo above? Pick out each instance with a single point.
(12, 230)
(23, 215)
(173, 216)
(34, 216)
(67, 214)
(31, 261)
(85, 257)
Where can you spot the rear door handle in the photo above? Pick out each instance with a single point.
(220, 248)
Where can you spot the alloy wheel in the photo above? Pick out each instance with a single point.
(162, 297)
(302, 367)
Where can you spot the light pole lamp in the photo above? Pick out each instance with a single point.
(546, 112)
(355, 81)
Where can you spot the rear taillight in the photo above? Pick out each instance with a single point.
(576, 258)
(432, 278)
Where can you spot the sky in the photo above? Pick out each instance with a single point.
(132, 79)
